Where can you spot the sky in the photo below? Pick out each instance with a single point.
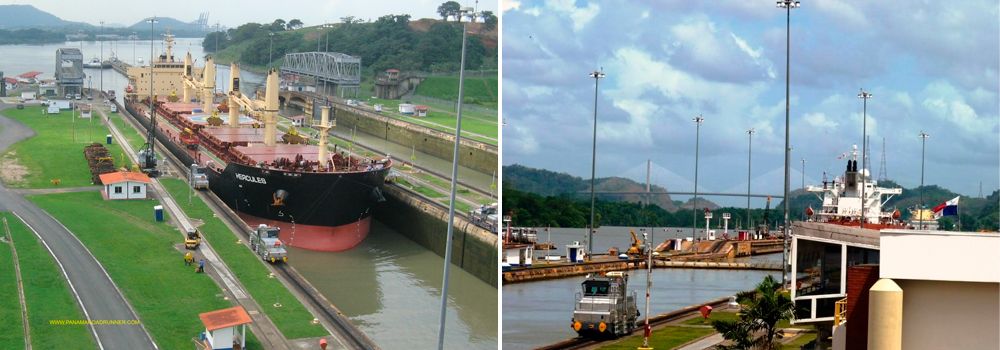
(930, 66)
(233, 13)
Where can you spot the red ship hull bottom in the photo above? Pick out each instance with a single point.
(313, 237)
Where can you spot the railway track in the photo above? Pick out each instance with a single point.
(351, 336)
(583, 343)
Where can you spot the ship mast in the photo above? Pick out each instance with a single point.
(271, 108)
(324, 129)
(187, 73)
(234, 89)
(208, 85)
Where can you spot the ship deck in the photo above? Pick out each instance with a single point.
(244, 144)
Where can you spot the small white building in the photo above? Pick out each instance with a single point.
(85, 111)
(406, 108)
(519, 254)
(125, 185)
(421, 110)
(225, 329)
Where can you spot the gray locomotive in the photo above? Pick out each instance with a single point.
(605, 308)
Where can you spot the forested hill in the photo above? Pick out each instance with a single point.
(549, 183)
(391, 41)
(538, 197)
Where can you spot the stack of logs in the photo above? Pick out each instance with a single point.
(99, 160)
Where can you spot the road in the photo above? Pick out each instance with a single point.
(93, 289)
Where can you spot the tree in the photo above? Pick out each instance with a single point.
(295, 23)
(278, 25)
(761, 310)
(489, 20)
(448, 8)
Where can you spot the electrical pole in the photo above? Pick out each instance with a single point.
(923, 150)
(749, 154)
(454, 186)
(597, 75)
(694, 201)
(864, 96)
(788, 5)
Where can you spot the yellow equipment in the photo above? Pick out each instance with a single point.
(193, 239)
(634, 249)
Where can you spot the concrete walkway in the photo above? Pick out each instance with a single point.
(704, 343)
(30, 191)
(92, 287)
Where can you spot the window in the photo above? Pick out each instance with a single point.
(118, 189)
(136, 189)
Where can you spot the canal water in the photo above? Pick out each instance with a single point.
(389, 286)
(539, 313)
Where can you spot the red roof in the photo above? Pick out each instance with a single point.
(421, 108)
(30, 74)
(218, 319)
(392, 70)
(10, 80)
(122, 176)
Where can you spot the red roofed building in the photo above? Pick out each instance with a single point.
(421, 110)
(30, 76)
(221, 328)
(125, 185)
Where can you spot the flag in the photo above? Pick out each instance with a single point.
(949, 208)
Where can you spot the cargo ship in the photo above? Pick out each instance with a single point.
(321, 200)
(844, 203)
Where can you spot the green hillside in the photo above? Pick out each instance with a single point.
(478, 90)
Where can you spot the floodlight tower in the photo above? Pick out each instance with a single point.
(788, 5)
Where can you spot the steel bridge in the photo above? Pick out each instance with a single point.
(327, 69)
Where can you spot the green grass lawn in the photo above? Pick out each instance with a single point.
(442, 118)
(799, 341)
(47, 295)
(139, 255)
(11, 329)
(718, 315)
(478, 90)
(667, 337)
(292, 318)
(53, 153)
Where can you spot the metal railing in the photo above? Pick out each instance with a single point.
(840, 312)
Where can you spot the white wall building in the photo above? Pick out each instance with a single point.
(125, 185)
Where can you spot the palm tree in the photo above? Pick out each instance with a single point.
(760, 311)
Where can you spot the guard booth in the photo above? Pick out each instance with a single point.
(225, 329)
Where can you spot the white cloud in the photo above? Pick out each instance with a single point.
(754, 54)
(819, 120)
(843, 12)
(507, 5)
(580, 15)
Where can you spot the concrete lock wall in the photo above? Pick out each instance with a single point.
(483, 158)
(473, 248)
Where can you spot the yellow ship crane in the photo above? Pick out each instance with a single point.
(266, 110)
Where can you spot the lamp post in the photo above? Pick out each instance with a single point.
(923, 149)
(803, 173)
(100, 64)
(749, 149)
(788, 5)
(327, 49)
(694, 203)
(649, 285)
(597, 75)
(465, 12)
(864, 96)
